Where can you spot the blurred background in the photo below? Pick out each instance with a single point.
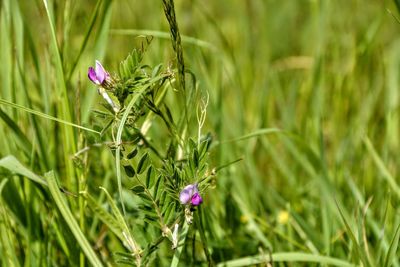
(305, 92)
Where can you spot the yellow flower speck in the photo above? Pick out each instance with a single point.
(283, 217)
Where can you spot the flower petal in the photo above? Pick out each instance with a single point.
(101, 73)
(185, 196)
(196, 199)
(192, 188)
(92, 75)
(187, 193)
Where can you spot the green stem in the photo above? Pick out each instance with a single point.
(178, 250)
(200, 227)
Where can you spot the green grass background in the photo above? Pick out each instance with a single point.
(305, 92)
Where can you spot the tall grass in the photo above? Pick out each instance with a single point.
(286, 114)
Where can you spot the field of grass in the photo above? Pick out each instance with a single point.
(284, 114)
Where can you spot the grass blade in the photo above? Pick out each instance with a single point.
(121, 125)
(358, 250)
(381, 166)
(104, 216)
(286, 257)
(119, 141)
(391, 254)
(256, 133)
(86, 38)
(6, 234)
(178, 250)
(164, 35)
(70, 220)
(21, 137)
(13, 165)
(43, 115)
(128, 239)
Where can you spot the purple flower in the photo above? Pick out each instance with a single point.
(196, 199)
(190, 194)
(98, 75)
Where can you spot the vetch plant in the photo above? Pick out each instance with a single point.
(164, 200)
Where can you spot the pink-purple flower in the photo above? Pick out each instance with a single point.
(98, 75)
(190, 194)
